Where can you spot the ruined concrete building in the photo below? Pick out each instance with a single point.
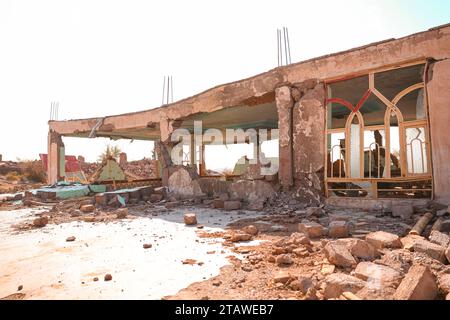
(364, 127)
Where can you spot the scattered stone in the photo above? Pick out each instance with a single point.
(314, 212)
(216, 283)
(95, 279)
(363, 250)
(409, 240)
(284, 259)
(190, 219)
(232, 205)
(327, 269)
(238, 237)
(444, 283)
(398, 260)
(311, 294)
(377, 274)
(433, 250)
(338, 229)
(147, 245)
(200, 226)
(40, 222)
(418, 284)
(439, 238)
(108, 277)
(298, 239)
(301, 252)
(338, 283)
(382, 239)
(304, 284)
(404, 211)
(89, 219)
(251, 229)
(189, 261)
(121, 213)
(19, 288)
(87, 208)
(70, 239)
(282, 277)
(247, 267)
(339, 255)
(311, 229)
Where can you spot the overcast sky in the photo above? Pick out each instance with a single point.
(106, 57)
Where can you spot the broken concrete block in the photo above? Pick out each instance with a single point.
(378, 274)
(433, 250)
(284, 259)
(298, 239)
(439, 238)
(232, 205)
(363, 250)
(282, 277)
(237, 237)
(190, 219)
(339, 255)
(218, 203)
(40, 222)
(70, 239)
(251, 229)
(397, 259)
(121, 213)
(87, 208)
(312, 229)
(381, 239)
(418, 284)
(404, 211)
(338, 229)
(409, 240)
(444, 283)
(337, 283)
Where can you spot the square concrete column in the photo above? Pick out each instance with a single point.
(55, 158)
(285, 104)
(439, 115)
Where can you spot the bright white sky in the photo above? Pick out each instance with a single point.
(106, 57)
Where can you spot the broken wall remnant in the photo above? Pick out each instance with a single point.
(184, 183)
(308, 140)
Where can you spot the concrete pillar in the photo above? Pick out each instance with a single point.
(439, 116)
(309, 144)
(285, 104)
(55, 158)
(193, 151)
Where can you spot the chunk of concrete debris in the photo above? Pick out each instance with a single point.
(251, 229)
(444, 283)
(282, 277)
(238, 237)
(121, 213)
(433, 250)
(382, 239)
(284, 259)
(70, 239)
(315, 212)
(312, 229)
(327, 269)
(378, 274)
(338, 254)
(399, 260)
(418, 284)
(108, 277)
(190, 219)
(232, 205)
(439, 238)
(409, 240)
(338, 229)
(218, 203)
(147, 245)
(404, 211)
(40, 222)
(87, 208)
(298, 239)
(303, 284)
(338, 283)
(363, 250)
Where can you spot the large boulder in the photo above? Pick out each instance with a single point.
(382, 239)
(378, 275)
(418, 284)
(338, 283)
(339, 255)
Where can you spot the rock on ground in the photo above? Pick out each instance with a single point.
(382, 239)
(338, 229)
(312, 229)
(337, 283)
(378, 275)
(190, 219)
(418, 284)
(121, 213)
(439, 238)
(433, 250)
(339, 255)
(40, 222)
